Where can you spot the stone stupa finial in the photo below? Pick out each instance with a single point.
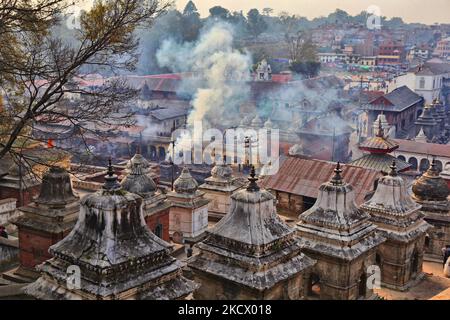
(433, 170)
(393, 167)
(111, 182)
(337, 178)
(252, 186)
(380, 131)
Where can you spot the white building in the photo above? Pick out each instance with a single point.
(331, 57)
(425, 80)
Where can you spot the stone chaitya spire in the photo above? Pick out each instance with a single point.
(156, 208)
(343, 241)
(440, 115)
(421, 136)
(47, 220)
(251, 253)
(399, 219)
(189, 209)
(218, 188)
(117, 256)
(431, 192)
(138, 179)
(427, 122)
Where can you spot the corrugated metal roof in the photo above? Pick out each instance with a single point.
(416, 147)
(303, 177)
(399, 99)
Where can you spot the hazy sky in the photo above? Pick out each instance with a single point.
(425, 11)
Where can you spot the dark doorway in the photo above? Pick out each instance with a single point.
(415, 262)
(159, 230)
(314, 286)
(362, 286)
(427, 241)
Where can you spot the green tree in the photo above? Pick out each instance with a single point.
(255, 22)
(218, 12)
(305, 60)
(191, 23)
(190, 8)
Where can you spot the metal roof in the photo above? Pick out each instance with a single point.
(303, 177)
(397, 100)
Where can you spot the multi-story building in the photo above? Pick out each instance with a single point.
(443, 48)
(426, 80)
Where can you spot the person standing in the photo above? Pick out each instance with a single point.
(446, 253)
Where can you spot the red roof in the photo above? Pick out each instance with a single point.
(433, 149)
(303, 177)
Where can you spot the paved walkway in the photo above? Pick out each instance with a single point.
(433, 286)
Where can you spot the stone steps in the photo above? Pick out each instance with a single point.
(14, 277)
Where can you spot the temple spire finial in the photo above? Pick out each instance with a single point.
(380, 131)
(252, 186)
(393, 167)
(337, 178)
(433, 170)
(111, 182)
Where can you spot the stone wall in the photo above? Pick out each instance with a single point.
(341, 280)
(219, 201)
(160, 218)
(7, 210)
(397, 263)
(34, 246)
(289, 203)
(215, 288)
(438, 238)
(28, 195)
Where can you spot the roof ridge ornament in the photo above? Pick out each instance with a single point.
(252, 186)
(337, 178)
(380, 131)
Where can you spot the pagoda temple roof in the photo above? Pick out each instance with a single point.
(379, 144)
(380, 162)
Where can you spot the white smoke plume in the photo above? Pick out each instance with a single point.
(216, 74)
(219, 72)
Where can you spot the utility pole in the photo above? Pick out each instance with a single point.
(172, 142)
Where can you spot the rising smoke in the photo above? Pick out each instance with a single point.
(219, 72)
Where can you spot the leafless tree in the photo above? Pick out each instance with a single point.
(39, 71)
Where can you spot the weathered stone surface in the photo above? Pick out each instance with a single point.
(156, 207)
(189, 209)
(48, 219)
(118, 257)
(398, 218)
(218, 189)
(251, 253)
(342, 239)
(431, 192)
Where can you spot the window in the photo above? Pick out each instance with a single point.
(422, 83)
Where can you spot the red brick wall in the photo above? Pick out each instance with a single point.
(33, 246)
(162, 218)
(14, 193)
